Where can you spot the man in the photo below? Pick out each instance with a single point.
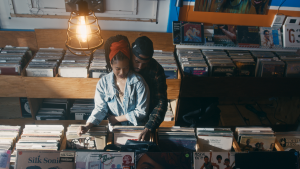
(154, 75)
(267, 39)
(247, 147)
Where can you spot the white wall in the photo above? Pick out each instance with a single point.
(7, 22)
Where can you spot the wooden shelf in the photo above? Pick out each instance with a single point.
(12, 86)
(239, 87)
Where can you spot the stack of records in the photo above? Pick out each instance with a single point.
(269, 67)
(105, 160)
(169, 114)
(289, 140)
(263, 54)
(292, 61)
(53, 109)
(219, 62)
(74, 66)
(98, 64)
(13, 60)
(214, 139)
(167, 61)
(45, 62)
(245, 64)
(95, 138)
(124, 133)
(41, 137)
(288, 56)
(8, 136)
(255, 138)
(192, 62)
(220, 160)
(82, 109)
(177, 139)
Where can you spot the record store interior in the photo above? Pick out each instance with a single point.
(149, 84)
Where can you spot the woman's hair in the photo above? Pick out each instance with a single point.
(119, 56)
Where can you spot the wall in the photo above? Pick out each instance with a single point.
(289, 7)
(7, 22)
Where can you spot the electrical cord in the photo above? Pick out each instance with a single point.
(279, 8)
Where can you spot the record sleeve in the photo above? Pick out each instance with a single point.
(248, 36)
(104, 160)
(31, 159)
(257, 143)
(176, 32)
(5, 159)
(192, 33)
(225, 35)
(219, 160)
(176, 160)
(270, 38)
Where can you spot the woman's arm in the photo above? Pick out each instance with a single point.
(100, 110)
(142, 103)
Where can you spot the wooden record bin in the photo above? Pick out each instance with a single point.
(37, 88)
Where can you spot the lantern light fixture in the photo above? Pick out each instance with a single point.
(83, 34)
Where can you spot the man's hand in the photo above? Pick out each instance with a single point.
(145, 135)
(112, 119)
(82, 130)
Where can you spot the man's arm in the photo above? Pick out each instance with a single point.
(156, 117)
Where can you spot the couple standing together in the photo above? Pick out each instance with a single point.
(135, 90)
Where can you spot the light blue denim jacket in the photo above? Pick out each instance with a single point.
(135, 104)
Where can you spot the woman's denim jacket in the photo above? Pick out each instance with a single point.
(135, 104)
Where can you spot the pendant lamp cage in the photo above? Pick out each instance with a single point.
(83, 33)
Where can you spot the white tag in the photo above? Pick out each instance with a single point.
(17, 69)
(67, 154)
(4, 52)
(51, 47)
(8, 46)
(78, 53)
(158, 51)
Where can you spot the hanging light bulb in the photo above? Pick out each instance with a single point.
(83, 34)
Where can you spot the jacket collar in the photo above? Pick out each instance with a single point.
(131, 78)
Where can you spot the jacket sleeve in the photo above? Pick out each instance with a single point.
(101, 107)
(142, 104)
(156, 117)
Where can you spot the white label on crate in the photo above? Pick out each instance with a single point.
(4, 52)
(51, 47)
(73, 72)
(67, 154)
(8, 46)
(0, 71)
(98, 74)
(16, 69)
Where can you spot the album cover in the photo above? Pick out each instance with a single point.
(192, 33)
(257, 143)
(218, 160)
(175, 160)
(176, 32)
(225, 35)
(248, 36)
(104, 160)
(31, 159)
(292, 69)
(233, 6)
(25, 108)
(270, 38)
(289, 140)
(4, 159)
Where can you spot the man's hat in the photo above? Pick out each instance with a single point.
(143, 45)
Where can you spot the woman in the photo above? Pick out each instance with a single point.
(122, 92)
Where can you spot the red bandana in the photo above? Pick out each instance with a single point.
(119, 46)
